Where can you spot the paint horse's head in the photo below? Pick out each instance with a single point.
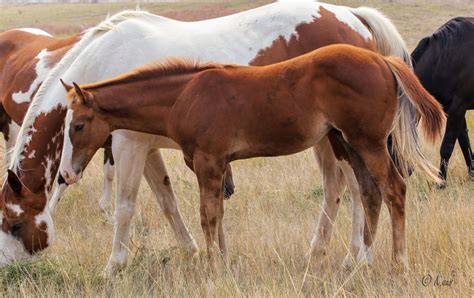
(84, 133)
(26, 223)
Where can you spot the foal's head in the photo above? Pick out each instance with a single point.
(84, 133)
(26, 223)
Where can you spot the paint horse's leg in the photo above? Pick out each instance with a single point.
(159, 181)
(210, 174)
(358, 219)
(454, 126)
(378, 177)
(59, 189)
(130, 163)
(333, 182)
(109, 173)
(465, 145)
(328, 151)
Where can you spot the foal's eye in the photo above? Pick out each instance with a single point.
(15, 229)
(78, 127)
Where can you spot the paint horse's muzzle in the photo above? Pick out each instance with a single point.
(71, 177)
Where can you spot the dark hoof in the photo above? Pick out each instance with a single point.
(228, 192)
(442, 185)
(471, 174)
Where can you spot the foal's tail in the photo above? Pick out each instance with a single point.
(405, 136)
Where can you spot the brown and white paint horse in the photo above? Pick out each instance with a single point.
(221, 113)
(26, 57)
(279, 31)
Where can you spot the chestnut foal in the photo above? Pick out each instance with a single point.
(220, 113)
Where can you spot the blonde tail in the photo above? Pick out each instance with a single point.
(405, 136)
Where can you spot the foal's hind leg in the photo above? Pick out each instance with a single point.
(390, 184)
(157, 177)
(333, 182)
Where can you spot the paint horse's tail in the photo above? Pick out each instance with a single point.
(389, 42)
(406, 141)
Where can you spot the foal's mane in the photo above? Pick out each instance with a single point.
(168, 67)
(26, 130)
(450, 31)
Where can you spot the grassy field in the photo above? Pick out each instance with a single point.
(269, 220)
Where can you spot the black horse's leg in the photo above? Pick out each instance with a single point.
(463, 140)
(454, 126)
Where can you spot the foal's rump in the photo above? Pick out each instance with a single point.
(359, 80)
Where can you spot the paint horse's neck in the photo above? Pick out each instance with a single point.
(127, 102)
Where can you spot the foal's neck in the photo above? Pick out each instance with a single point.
(140, 105)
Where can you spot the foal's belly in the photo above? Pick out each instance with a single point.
(273, 141)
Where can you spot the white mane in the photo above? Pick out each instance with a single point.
(24, 135)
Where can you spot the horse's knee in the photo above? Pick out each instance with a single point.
(124, 212)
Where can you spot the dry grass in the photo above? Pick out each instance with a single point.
(269, 222)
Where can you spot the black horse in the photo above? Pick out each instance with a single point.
(444, 63)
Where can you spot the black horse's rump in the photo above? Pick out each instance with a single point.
(444, 63)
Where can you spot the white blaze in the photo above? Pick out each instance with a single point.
(66, 157)
(45, 217)
(11, 249)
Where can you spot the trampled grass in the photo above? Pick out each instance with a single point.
(269, 221)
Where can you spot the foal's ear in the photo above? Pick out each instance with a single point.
(14, 182)
(85, 97)
(66, 86)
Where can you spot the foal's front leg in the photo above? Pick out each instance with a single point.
(210, 174)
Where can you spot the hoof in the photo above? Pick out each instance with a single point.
(317, 251)
(348, 262)
(104, 205)
(191, 248)
(365, 256)
(471, 174)
(442, 185)
(228, 192)
(112, 269)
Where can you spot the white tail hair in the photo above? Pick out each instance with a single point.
(431, 114)
(406, 143)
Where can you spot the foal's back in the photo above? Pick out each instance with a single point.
(285, 107)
